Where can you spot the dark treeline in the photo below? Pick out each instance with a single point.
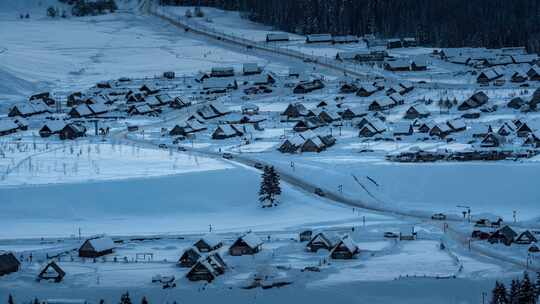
(448, 23)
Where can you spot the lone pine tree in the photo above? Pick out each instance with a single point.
(270, 187)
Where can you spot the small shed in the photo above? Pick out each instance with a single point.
(202, 271)
(52, 272)
(189, 257)
(416, 111)
(8, 263)
(72, 131)
(526, 238)
(222, 72)
(322, 240)
(275, 37)
(251, 69)
(248, 244)
(208, 243)
(319, 38)
(345, 249)
(51, 127)
(308, 87)
(96, 247)
(505, 235)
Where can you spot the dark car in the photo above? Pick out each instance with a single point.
(227, 156)
(258, 165)
(319, 192)
(390, 235)
(438, 217)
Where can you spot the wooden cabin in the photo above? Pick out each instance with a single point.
(505, 235)
(207, 243)
(72, 131)
(308, 87)
(322, 240)
(202, 271)
(277, 37)
(416, 111)
(189, 257)
(345, 249)
(476, 100)
(248, 244)
(97, 247)
(51, 127)
(8, 263)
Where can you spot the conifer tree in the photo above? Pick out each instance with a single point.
(526, 291)
(270, 187)
(125, 299)
(10, 299)
(515, 287)
(499, 294)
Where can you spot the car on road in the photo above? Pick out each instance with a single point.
(258, 166)
(319, 192)
(438, 217)
(227, 156)
(180, 148)
(390, 235)
(162, 146)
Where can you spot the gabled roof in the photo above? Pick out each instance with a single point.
(101, 244)
(98, 108)
(457, 124)
(348, 243)
(82, 110)
(251, 240)
(211, 239)
(250, 68)
(54, 125)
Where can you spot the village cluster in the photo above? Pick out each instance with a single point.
(404, 103)
(382, 110)
(204, 259)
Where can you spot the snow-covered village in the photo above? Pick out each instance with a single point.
(249, 151)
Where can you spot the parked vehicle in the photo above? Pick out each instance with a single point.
(390, 235)
(319, 192)
(162, 146)
(227, 156)
(438, 217)
(258, 166)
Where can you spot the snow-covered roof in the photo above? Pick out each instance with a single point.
(457, 123)
(102, 244)
(83, 110)
(8, 125)
(98, 108)
(277, 36)
(196, 125)
(211, 239)
(226, 129)
(251, 240)
(398, 64)
(250, 68)
(218, 83)
(319, 38)
(402, 127)
(55, 125)
(348, 242)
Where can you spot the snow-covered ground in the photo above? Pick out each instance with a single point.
(126, 186)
